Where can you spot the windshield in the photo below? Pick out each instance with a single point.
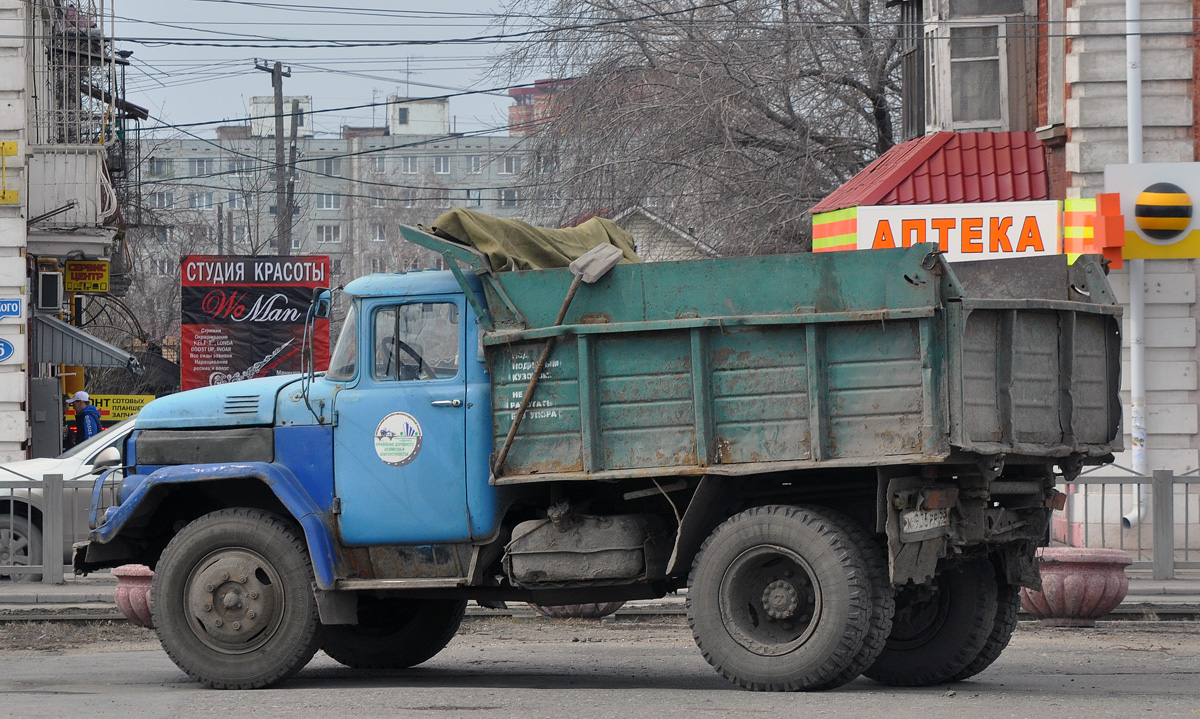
(341, 363)
(97, 441)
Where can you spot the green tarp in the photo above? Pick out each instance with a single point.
(516, 245)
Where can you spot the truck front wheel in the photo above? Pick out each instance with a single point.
(394, 633)
(938, 631)
(780, 599)
(232, 600)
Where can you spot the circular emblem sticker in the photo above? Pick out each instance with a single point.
(398, 439)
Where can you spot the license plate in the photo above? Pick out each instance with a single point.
(922, 520)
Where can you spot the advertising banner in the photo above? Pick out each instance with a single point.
(85, 276)
(243, 317)
(114, 407)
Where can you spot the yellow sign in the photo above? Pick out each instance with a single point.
(115, 407)
(1156, 201)
(86, 276)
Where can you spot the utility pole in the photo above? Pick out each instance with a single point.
(291, 178)
(220, 233)
(278, 72)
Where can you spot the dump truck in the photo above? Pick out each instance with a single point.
(846, 461)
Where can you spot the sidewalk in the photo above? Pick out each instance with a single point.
(1147, 599)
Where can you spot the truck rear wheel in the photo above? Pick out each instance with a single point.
(1008, 604)
(394, 633)
(779, 599)
(883, 598)
(232, 600)
(937, 634)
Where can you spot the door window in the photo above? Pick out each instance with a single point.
(418, 341)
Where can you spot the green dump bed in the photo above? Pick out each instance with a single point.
(759, 364)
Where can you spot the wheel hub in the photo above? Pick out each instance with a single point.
(769, 600)
(234, 601)
(780, 599)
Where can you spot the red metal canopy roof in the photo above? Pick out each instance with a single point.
(949, 167)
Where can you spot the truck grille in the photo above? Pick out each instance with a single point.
(241, 405)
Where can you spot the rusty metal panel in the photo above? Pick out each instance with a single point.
(875, 389)
(550, 435)
(980, 390)
(646, 412)
(760, 394)
(1097, 351)
(1035, 378)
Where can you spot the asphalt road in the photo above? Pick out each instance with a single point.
(537, 668)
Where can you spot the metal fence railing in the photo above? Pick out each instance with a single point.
(1156, 519)
(39, 521)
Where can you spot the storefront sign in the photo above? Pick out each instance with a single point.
(10, 307)
(969, 231)
(85, 276)
(244, 317)
(1157, 202)
(115, 407)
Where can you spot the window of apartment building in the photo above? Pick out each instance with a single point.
(474, 198)
(441, 165)
(474, 164)
(329, 165)
(200, 200)
(328, 201)
(375, 198)
(378, 233)
(160, 167)
(508, 198)
(546, 164)
(510, 165)
(295, 243)
(376, 163)
(240, 236)
(408, 165)
(164, 267)
(160, 200)
(241, 166)
(441, 197)
(202, 166)
(401, 115)
(376, 264)
(408, 198)
(335, 266)
(238, 201)
(329, 234)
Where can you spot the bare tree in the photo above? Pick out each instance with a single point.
(729, 119)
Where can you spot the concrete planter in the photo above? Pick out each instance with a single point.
(1079, 585)
(132, 594)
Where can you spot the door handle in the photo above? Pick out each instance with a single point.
(448, 403)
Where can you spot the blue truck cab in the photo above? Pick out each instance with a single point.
(389, 447)
(848, 459)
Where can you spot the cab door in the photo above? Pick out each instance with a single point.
(400, 439)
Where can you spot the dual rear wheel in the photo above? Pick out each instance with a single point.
(786, 598)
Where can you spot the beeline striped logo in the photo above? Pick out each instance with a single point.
(1163, 211)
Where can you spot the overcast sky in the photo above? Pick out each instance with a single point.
(181, 80)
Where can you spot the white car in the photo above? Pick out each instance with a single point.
(21, 508)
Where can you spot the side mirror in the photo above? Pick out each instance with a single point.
(320, 303)
(108, 457)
